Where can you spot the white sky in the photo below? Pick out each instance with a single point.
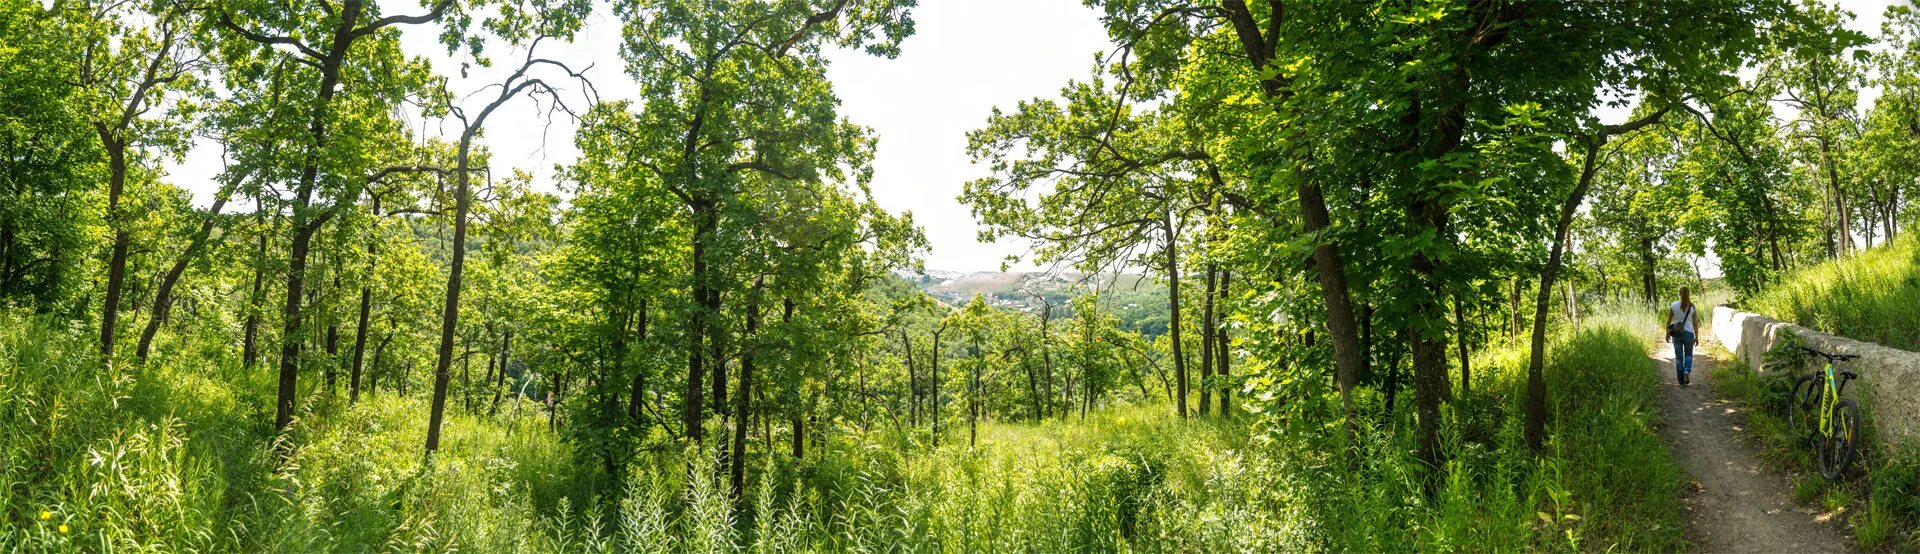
(965, 57)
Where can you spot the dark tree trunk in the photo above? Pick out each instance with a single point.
(1392, 377)
(690, 412)
(117, 264)
(333, 336)
(740, 410)
(506, 356)
(1046, 358)
(1332, 275)
(366, 311)
(450, 314)
(1649, 282)
(1221, 354)
(1366, 344)
(290, 341)
(1206, 340)
(913, 381)
(1173, 304)
(636, 397)
(973, 397)
(934, 377)
(250, 345)
(1460, 335)
(1535, 428)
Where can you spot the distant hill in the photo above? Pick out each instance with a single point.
(1140, 301)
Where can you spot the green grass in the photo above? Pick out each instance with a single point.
(177, 456)
(1872, 296)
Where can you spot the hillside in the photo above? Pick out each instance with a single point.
(1872, 296)
(1140, 301)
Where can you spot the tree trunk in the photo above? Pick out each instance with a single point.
(379, 350)
(366, 306)
(1046, 358)
(450, 314)
(1333, 292)
(1173, 304)
(1220, 353)
(636, 396)
(1536, 402)
(1842, 217)
(250, 345)
(1460, 335)
(690, 412)
(1648, 264)
(913, 381)
(935, 378)
(290, 340)
(1514, 320)
(117, 264)
(1206, 340)
(973, 397)
(506, 355)
(740, 410)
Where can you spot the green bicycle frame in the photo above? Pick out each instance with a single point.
(1827, 401)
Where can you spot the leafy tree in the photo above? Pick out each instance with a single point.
(131, 58)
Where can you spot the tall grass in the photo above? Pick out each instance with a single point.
(1872, 296)
(177, 457)
(1604, 480)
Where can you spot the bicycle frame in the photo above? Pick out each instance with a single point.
(1827, 400)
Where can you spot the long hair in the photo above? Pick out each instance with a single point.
(1686, 298)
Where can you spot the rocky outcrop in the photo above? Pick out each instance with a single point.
(1889, 385)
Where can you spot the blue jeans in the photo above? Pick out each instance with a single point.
(1683, 353)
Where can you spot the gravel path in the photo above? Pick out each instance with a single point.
(1733, 503)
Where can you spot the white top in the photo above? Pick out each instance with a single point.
(1680, 314)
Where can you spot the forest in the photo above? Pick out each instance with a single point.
(1364, 275)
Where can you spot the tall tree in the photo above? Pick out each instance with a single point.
(538, 21)
(733, 90)
(322, 39)
(133, 56)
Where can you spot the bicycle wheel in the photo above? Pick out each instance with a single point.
(1837, 451)
(1802, 400)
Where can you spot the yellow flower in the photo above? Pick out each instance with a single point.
(45, 515)
(63, 528)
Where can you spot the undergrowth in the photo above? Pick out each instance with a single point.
(178, 455)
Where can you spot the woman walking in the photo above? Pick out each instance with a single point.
(1681, 325)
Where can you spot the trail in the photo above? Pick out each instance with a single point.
(1734, 504)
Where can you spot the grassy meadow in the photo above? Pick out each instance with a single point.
(176, 457)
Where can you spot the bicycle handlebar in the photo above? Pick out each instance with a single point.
(1830, 357)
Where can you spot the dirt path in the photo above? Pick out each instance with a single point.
(1734, 503)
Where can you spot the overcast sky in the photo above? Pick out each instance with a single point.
(965, 57)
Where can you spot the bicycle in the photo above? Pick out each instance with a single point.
(1832, 422)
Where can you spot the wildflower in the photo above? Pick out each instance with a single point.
(63, 528)
(45, 515)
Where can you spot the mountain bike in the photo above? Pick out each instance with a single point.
(1829, 423)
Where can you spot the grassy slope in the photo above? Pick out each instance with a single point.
(1872, 296)
(175, 457)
